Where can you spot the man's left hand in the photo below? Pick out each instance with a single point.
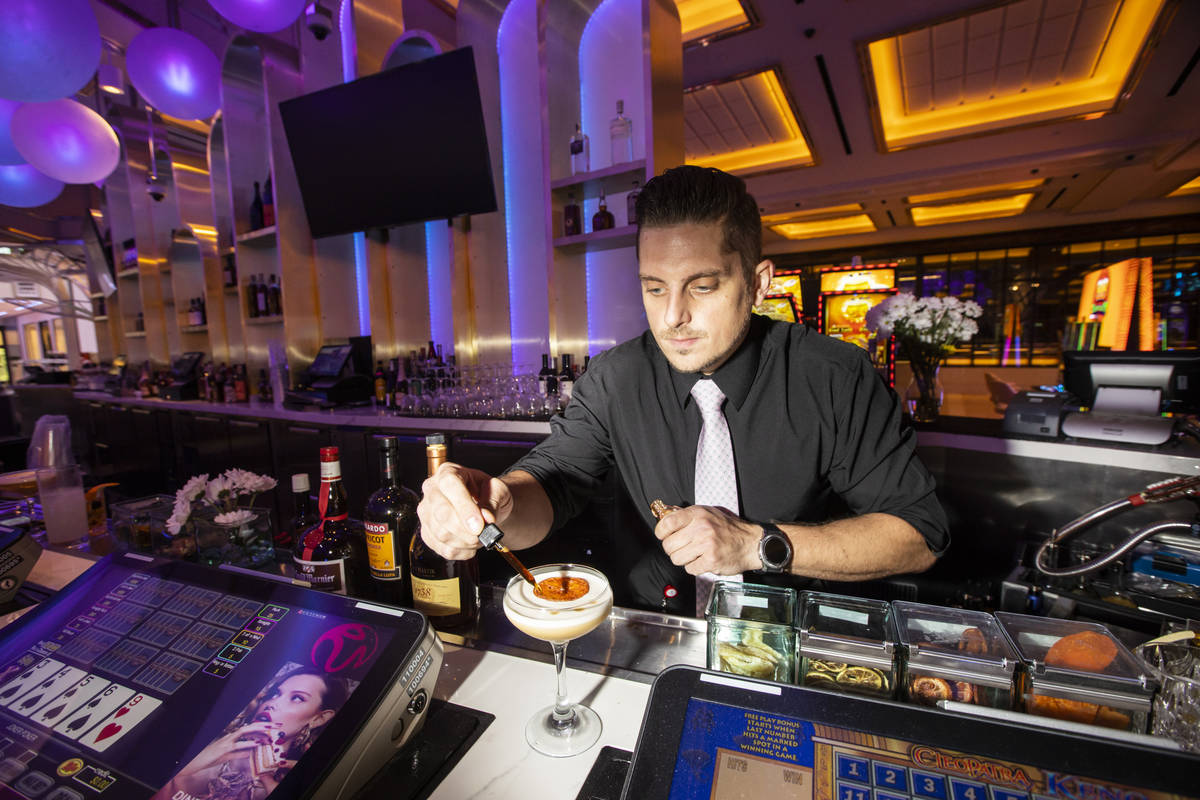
(706, 539)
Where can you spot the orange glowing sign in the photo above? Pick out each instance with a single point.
(846, 316)
(783, 300)
(1108, 298)
(858, 280)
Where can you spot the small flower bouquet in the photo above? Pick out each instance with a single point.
(927, 329)
(218, 515)
(228, 498)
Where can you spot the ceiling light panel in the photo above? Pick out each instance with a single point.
(1191, 187)
(743, 125)
(701, 19)
(811, 213)
(975, 191)
(976, 209)
(840, 226)
(1021, 62)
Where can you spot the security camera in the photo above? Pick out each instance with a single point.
(155, 188)
(319, 20)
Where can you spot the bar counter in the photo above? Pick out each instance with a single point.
(496, 669)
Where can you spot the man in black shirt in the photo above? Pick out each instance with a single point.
(827, 484)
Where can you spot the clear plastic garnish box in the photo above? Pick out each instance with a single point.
(1080, 672)
(846, 644)
(138, 524)
(953, 654)
(750, 630)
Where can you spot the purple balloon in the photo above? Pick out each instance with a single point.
(48, 49)
(66, 140)
(264, 16)
(175, 72)
(8, 150)
(24, 187)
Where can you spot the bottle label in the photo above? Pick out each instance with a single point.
(329, 576)
(331, 470)
(576, 146)
(565, 387)
(381, 551)
(436, 598)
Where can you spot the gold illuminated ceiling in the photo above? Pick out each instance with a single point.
(971, 210)
(838, 226)
(701, 19)
(1022, 62)
(743, 125)
(1191, 187)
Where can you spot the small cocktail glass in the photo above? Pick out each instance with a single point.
(562, 729)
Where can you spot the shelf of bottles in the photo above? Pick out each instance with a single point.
(608, 228)
(260, 237)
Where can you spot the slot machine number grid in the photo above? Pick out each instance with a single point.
(861, 778)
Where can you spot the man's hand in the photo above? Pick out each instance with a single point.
(457, 503)
(705, 539)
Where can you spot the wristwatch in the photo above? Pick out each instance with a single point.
(774, 549)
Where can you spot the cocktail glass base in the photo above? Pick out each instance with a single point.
(572, 736)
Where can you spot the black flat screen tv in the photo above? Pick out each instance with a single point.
(404, 145)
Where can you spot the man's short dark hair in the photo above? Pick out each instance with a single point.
(704, 195)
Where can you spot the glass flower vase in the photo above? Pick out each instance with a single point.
(248, 544)
(923, 397)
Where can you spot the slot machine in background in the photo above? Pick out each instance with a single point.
(846, 295)
(783, 301)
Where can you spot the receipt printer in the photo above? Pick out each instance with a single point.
(1037, 413)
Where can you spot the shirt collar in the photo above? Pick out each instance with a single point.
(735, 376)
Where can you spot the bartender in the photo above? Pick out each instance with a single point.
(778, 449)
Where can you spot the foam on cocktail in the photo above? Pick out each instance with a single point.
(558, 620)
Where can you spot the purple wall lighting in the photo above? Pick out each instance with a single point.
(264, 16)
(8, 150)
(66, 140)
(175, 72)
(24, 187)
(48, 50)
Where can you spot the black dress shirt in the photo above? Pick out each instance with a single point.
(816, 435)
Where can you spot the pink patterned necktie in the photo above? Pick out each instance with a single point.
(716, 472)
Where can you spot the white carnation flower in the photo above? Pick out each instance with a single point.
(235, 517)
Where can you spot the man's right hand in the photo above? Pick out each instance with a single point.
(457, 503)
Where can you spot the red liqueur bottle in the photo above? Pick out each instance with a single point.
(332, 554)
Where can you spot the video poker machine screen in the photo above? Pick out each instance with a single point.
(170, 681)
(704, 737)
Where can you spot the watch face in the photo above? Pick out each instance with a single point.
(775, 550)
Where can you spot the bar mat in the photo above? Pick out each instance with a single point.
(419, 766)
(607, 776)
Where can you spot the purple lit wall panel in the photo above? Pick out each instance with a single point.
(610, 69)
(524, 182)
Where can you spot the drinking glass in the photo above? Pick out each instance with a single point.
(64, 511)
(562, 729)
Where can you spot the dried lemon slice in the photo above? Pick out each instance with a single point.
(862, 678)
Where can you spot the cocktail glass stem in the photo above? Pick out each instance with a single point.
(563, 715)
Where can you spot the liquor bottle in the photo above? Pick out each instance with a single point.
(332, 555)
(422, 401)
(445, 591)
(380, 385)
(265, 393)
(260, 295)
(390, 520)
(139, 324)
(230, 271)
(581, 156)
(256, 209)
(620, 135)
(241, 388)
(252, 297)
(602, 220)
(631, 204)
(203, 383)
(193, 314)
(293, 533)
(566, 378)
(586, 360)
(545, 372)
(268, 202)
(274, 298)
(230, 393)
(572, 217)
(203, 311)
